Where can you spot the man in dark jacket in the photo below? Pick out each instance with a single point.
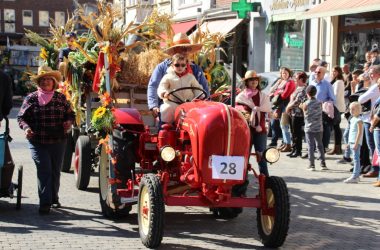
(5, 95)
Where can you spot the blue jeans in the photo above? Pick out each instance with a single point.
(48, 159)
(313, 138)
(376, 137)
(259, 142)
(285, 129)
(356, 160)
(370, 143)
(276, 130)
(347, 151)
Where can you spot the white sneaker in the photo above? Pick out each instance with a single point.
(351, 180)
(311, 168)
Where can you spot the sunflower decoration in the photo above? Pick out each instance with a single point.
(49, 53)
(103, 119)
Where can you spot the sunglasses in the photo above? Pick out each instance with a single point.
(47, 79)
(177, 65)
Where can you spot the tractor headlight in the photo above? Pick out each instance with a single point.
(167, 153)
(271, 155)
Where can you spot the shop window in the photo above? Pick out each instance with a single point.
(24, 58)
(43, 18)
(59, 18)
(27, 18)
(9, 21)
(358, 34)
(290, 45)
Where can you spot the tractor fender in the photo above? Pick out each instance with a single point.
(127, 116)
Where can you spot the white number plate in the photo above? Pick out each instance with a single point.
(227, 167)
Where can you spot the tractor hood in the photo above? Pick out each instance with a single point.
(214, 129)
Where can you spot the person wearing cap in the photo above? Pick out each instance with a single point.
(257, 105)
(313, 127)
(182, 45)
(64, 52)
(46, 117)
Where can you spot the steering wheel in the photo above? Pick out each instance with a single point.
(178, 100)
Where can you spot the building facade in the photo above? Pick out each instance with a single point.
(17, 54)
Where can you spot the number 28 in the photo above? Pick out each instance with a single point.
(228, 168)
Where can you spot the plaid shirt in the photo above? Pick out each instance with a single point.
(45, 121)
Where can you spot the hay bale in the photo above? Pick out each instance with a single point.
(136, 69)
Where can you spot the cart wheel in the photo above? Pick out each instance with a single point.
(109, 202)
(151, 211)
(19, 187)
(66, 163)
(273, 229)
(82, 162)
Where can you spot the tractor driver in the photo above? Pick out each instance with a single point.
(182, 45)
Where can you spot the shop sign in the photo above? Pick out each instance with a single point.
(291, 40)
(289, 4)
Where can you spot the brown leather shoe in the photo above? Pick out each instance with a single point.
(281, 146)
(376, 184)
(371, 174)
(287, 148)
(337, 150)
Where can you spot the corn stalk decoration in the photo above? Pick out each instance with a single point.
(215, 73)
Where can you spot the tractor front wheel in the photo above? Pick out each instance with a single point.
(151, 211)
(273, 227)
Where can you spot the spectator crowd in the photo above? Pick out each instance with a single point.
(310, 106)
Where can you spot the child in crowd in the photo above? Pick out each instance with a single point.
(355, 139)
(313, 127)
(178, 76)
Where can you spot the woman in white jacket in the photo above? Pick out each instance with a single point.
(178, 76)
(257, 104)
(338, 86)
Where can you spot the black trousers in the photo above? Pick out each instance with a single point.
(296, 126)
(337, 135)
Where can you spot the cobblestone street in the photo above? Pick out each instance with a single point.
(325, 214)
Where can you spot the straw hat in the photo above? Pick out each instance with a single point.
(181, 44)
(250, 74)
(44, 71)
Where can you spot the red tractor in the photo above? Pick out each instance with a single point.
(201, 160)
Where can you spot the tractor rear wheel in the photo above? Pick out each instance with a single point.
(273, 229)
(151, 211)
(109, 201)
(82, 162)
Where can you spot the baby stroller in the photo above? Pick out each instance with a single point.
(7, 188)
